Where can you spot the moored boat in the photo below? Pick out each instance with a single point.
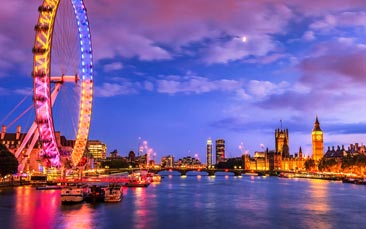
(73, 194)
(138, 179)
(132, 184)
(95, 194)
(156, 178)
(113, 193)
(49, 187)
(286, 175)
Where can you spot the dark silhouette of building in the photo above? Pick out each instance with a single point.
(131, 156)
(220, 150)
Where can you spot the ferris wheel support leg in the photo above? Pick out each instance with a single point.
(29, 150)
(31, 131)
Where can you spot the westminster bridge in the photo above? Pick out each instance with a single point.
(184, 171)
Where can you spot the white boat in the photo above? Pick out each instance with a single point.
(73, 194)
(113, 193)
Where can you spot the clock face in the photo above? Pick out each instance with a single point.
(318, 137)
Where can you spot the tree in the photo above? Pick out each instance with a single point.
(310, 165)
(327, 164)
(8, 162)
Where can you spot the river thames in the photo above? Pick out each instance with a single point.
(197, 202)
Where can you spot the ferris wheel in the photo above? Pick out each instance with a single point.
(62, 55)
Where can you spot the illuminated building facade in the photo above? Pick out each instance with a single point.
(33, 162)
(317, 141)
(12, 141)
(97, 148)
(167, 161)
(282, 142)
(209, 153)
(220, 150)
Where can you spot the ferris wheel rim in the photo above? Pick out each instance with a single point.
(42, 80)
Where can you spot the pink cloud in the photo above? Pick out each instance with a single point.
(338, 62)
(236, 49)
(309, 36)
(16, 37)
(155, 30)
(316, 8)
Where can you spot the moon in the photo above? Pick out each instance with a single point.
(244, 39)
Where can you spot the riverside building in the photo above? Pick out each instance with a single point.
(209, 153)
(220, 150)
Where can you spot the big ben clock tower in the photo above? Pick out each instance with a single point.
(317, 141)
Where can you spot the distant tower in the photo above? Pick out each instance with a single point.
(281, 139)
(209, 153)
(300, 152)
(131, 156)
(317, 141)
(220, 150)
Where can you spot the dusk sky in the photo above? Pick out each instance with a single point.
(175, 73)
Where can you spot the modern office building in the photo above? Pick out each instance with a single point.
(220, 150)
(317, 141)
(97, 148)
(209, 153)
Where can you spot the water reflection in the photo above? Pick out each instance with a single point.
(318, 194)
(197, 202)
(36, 207)
(78, 216)
(317, 204)
(143, 208)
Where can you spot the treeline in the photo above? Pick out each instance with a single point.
(355, 163)
(8, 162)
(116, 164)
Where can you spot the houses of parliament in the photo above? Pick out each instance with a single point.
(281, 159)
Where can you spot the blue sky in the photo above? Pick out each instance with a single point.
(177, 72)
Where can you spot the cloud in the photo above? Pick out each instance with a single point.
(341, 19)
(113, 66)
(328, 22)
(236, 49)
(240, 124)
(195, 85)
(177, 25)
(148, 86)
(346, 128)
(24, 91)
(253, 90)
(309, 36)
(333, 74)
(113, 41)
(115, 89)
(319, 8)
(340, 62)
(262, 89)
(16, 38)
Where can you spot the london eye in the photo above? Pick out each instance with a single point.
(62, 59)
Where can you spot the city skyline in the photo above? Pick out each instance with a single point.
(176, 73)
